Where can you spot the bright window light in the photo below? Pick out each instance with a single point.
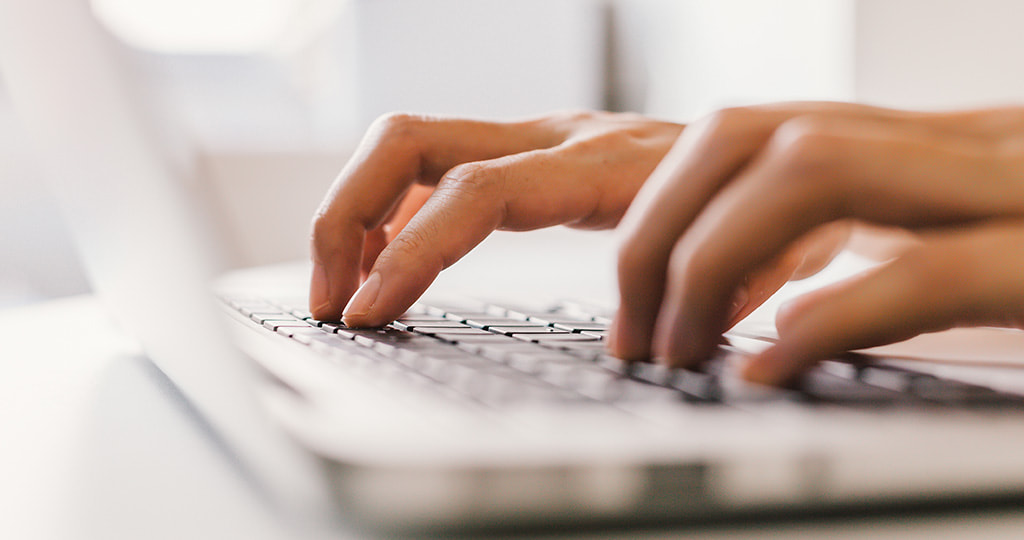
(197, 26)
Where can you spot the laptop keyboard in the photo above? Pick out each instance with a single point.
(496, 356)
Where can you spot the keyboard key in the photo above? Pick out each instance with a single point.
(264, 316)
(613, 364)
(451, 331)
(890, 379)
(536, 363)
(822, 386)
(500, 350)
(553, 338)
(845, 370)
(587, 350)
(484, 323)
(424, 318)
(296, 331)
(261, 307)
(463, 316)
(560, 319)
(955, 393)
(581, 326)
(575, 376)
(370, 336)
(696, 386)
(426, 325)
(658, 374)
(273, 325)
(519, 330)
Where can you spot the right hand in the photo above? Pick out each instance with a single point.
(421, 192)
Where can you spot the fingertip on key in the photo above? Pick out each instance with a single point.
(360, 309)
(768, 368)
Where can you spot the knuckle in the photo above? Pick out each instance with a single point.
(807, 143)
(575, 115)
(398, 127)
(604, 142)
(414, 247)
(729, 119)
(320, 230)
(473, 179)
(806, 155)
(411, 241)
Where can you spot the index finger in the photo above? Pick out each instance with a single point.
(398, 150)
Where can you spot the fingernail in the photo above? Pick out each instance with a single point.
(363, 300)
(319, 293)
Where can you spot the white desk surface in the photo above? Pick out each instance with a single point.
(91, 446)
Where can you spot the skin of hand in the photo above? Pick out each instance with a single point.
(741, 187)
(420, 192)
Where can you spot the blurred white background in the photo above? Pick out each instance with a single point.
(274, 94)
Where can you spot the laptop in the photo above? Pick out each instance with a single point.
(465, 414)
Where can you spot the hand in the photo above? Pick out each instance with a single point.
(743, 186)
(421, 192)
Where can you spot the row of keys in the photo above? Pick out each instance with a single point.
(550, 349)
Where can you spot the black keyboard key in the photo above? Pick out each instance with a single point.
(696, 386)
(956, 393)
(651, 373)
(822, 386)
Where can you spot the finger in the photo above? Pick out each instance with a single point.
(378, 239)
(815, 171)
(704, 159)
(525, 191)
(398, 151)
(956, 279)
(820, 248)
(803, 259)
(690, 174)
